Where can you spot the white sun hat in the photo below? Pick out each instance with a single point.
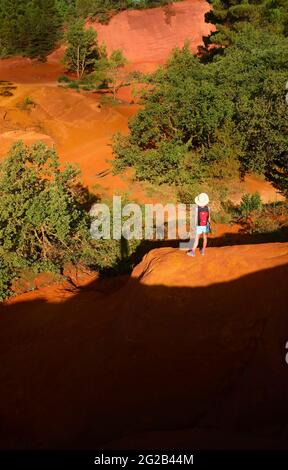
(202, 199)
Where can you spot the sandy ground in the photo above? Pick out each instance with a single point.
(75, 124)
(24, 70)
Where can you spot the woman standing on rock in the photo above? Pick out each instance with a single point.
(202, 222)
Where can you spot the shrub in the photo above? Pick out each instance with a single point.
(249, 203)
(3, 52)
(273, 218)
(73, 85)
(222, 217)
(186, 194)
(87, 83)
(6, 93)
(64, 79)
(103, 17)
(43, 221)
(26, 104)
(5, 279)
(264, 224)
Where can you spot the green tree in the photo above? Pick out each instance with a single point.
(44, 23)
(227, 115)
(229, 17)
(42, 217)
(66, 9)
(183, 110)
(87, 8)
(109, 70)
(115, 66)
(29, 27)
(82, 48)
(250, 203)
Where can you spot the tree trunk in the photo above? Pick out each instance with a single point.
(78, 62)
(83, 65)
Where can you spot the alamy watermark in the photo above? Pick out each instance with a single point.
(147, 222)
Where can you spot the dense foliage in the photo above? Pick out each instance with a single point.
(93, 66)
(44, 219)
(212, 118)
(29, 27)
(82, 52)
(33, 27)
(230, 16)
(101, 8)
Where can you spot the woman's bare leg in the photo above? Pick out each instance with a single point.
(204, 240)
(196, 242)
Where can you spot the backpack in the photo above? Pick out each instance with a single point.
(203, 215)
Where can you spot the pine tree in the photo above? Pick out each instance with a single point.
(82, 48)
(44, 24)
(29, 27)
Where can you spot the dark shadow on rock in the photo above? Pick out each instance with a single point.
(102, 366)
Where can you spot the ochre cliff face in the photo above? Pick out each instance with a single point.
(147, 37)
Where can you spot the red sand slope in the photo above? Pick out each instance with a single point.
(196, 345)
(148, 36)
(24, 70)
(74, 122)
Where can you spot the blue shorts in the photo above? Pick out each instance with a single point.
(201, 229)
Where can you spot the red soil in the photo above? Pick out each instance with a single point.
(24, 70)
(147, 37)
(75, 123)
(253, 184)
